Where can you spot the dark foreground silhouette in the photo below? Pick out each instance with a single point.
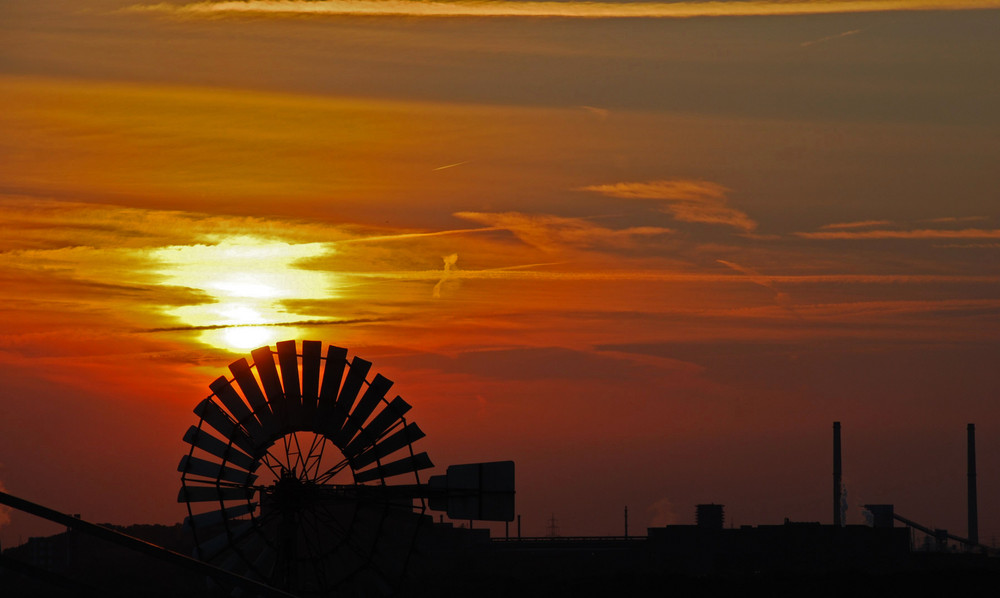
(794, 559)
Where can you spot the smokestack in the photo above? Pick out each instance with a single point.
(973, 507)
(837, 520)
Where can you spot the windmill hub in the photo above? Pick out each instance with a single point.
(291, 493)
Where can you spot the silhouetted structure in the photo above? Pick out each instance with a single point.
(394, 547)
(302, 472)
(973, 507)
(709, 516)
(837, 476)
(882, 515)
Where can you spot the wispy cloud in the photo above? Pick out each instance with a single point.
(857, 224)
(551, 233)
(43, 224)
(759, 279)
(882, 308)
(449, 265)
(380, 238)
(970, 246)
(285, 324)
(967, 233)
(830, 38)
(888, 229)
(571, 9)
(447, 166)
(686, 200)
(529, 274)
(601, 113)
(949, 219)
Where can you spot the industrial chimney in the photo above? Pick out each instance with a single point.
(837, 519)
(973, 506)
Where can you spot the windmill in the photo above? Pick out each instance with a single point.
(302, 474)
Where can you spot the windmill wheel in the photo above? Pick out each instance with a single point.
(300, 473)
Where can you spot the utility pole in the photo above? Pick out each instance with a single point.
(626, 522)
(973, 507)
(837, 486)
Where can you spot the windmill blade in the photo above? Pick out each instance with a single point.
(348, 394)
(239, 552)
(213, 446)
(214, 493)
(390, 414)
(214, 471)
(234, 562)
(311, 359)
(407, 465)
(244, 550)
(288, 362)
(401, 439)
(248, 384)
(262, 567)
(239, 410)
(214, 416)
(263, 359)
(336, 360)
(372, 397)
(218, 516)
(211, 549)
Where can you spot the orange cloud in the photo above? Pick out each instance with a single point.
(967, 233)
(828, 38)
(551, 233)
(687, 200)
(570, 9)
(957, 219)
(759, 279)
(857, 224)
(449, 266)
(528, 274)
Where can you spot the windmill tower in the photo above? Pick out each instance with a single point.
(303, 474)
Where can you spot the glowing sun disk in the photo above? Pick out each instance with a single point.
(248, 279)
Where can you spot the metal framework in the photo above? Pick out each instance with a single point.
(303, 475)
(301, 479)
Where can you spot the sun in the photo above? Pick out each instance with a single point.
(248, 281)
(248, 337)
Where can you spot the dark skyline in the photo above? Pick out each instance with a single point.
(649, 259)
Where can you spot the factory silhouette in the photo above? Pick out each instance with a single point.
(891, 553)
(301, 478)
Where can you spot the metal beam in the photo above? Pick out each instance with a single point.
(221, 576)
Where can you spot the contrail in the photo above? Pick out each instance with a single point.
(297, 323)
(452, 165)
(831, 37)
(403, 236)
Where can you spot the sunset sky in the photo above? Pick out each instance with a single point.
(649, 251)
